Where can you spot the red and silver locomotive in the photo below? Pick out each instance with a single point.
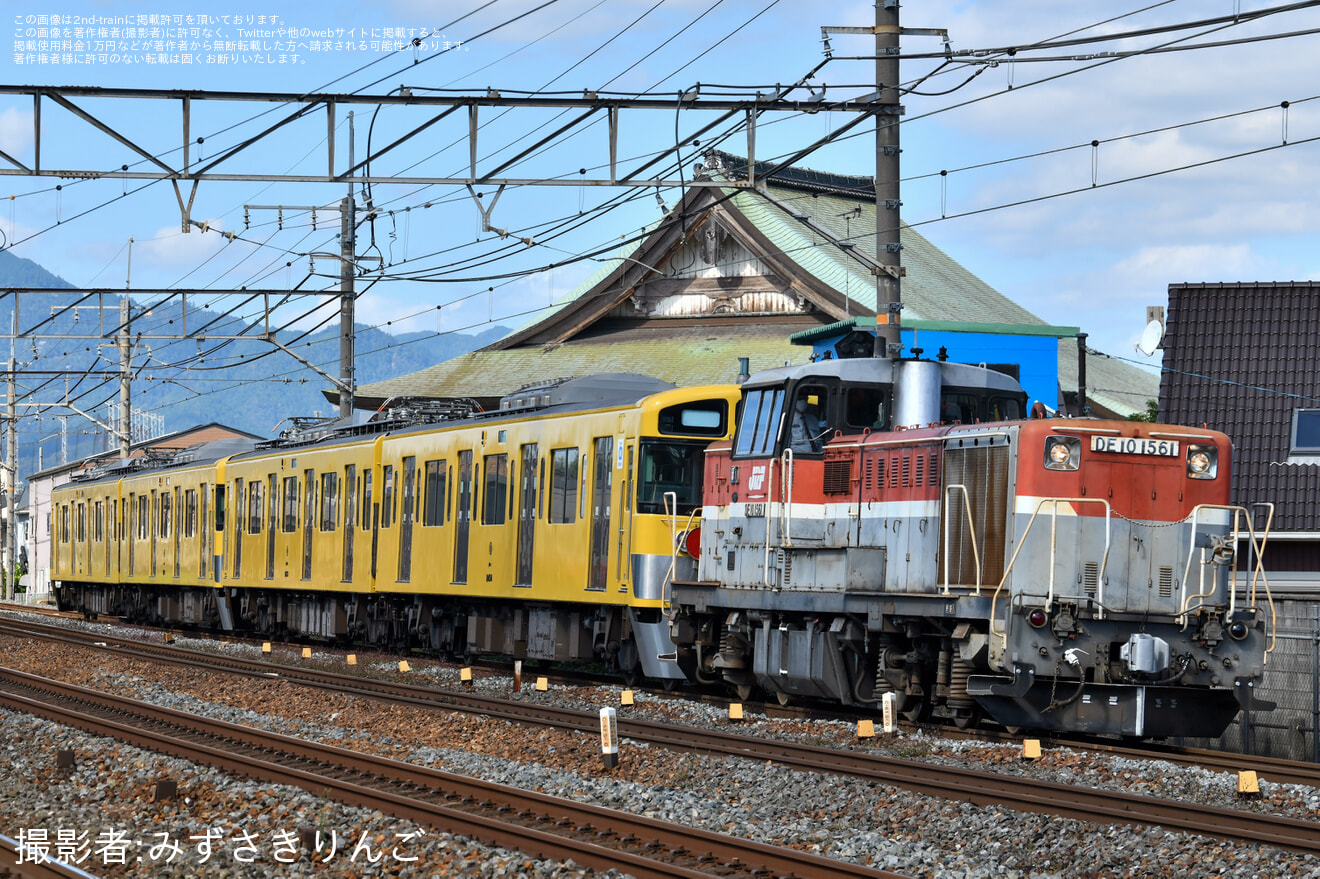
(901, 527)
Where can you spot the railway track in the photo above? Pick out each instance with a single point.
(541, 825)
(33, 865)
(982, 788)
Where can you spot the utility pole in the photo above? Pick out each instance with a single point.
(11, 481)
(125, 364)
(888, 249)
(347, 271)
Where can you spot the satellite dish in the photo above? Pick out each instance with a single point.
(1151, 337)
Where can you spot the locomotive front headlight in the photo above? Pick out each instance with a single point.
(1062, 453)
(1202, 462)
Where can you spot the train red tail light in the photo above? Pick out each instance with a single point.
(692, 542)
(1037, 618)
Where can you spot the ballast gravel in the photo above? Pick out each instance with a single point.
(888, 828)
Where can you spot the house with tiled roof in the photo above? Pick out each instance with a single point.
(734, 272)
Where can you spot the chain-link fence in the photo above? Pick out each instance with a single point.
(1292, 682)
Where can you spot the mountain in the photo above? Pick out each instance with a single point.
(248, 384)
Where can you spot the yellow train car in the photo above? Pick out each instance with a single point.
(547, 530)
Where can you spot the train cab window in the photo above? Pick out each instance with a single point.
(386, 495)
(701, 418)
(758, 428)
(563, 486)
(809, 421)
(289, 517)
(670, 468)
(433, 513)
(865, 407)
(329, 501)
(1005, 409)
(495, 496)
(958, 407)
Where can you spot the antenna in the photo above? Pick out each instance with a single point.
(1151, 337)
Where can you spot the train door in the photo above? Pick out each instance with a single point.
(238, 528)
(204, 520)
(406, 519)
(309, 517)
(602, 483)
(178, 532)
(350, 518)
(272, 508)
(527, 515)
(153, 525)
(621, 566)
(220, 539)
(463, 519)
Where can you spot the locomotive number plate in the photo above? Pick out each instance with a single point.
(1131, 445)
(755, 511)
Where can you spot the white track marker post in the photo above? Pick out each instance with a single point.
(887, 707)
(609, 737)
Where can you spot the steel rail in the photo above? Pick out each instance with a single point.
(956, 783)
(539, 824)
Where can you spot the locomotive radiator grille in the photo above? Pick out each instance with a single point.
(1090, 578)
(1166, 581)
(984, 471)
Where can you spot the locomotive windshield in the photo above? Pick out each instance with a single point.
(670, 467)
(759, 426)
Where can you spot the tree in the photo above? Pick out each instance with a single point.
(1150, 415)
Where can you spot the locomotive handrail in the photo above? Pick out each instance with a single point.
(785, 521)
(1054, 519)
(976, 553)
(671, 513)
(1256, 550)
(769, 497)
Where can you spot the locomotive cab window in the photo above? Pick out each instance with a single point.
(758, 428)
(702, 418)
(866, 406)
(670, 467)
(959, 407)
(1005, 409)
(809, 420)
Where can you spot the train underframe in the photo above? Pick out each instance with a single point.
(623, 639)
(1077, 673)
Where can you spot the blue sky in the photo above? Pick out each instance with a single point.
(1093, 258)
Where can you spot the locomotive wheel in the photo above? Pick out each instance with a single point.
(917, 710)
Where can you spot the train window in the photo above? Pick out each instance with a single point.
(702, 418)
(628, 486)
(387, 495)
(366, 500)
(809, 421)
(254, 507)
(563, 486)
(289, 519)
(759, 426)
(98, 523)
(669, 467)
(143, 514)
(540, 504)
(497, 487)
(866, 407)
(64, 523)
(436, 476)
(1005, 409)
(165, 514)
(219, 510)
(958, 407)
(329, 501)
(190, 512)
(82, 523)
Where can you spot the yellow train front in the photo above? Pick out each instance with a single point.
(546, 530)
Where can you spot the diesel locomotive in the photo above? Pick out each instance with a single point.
(901, 527)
